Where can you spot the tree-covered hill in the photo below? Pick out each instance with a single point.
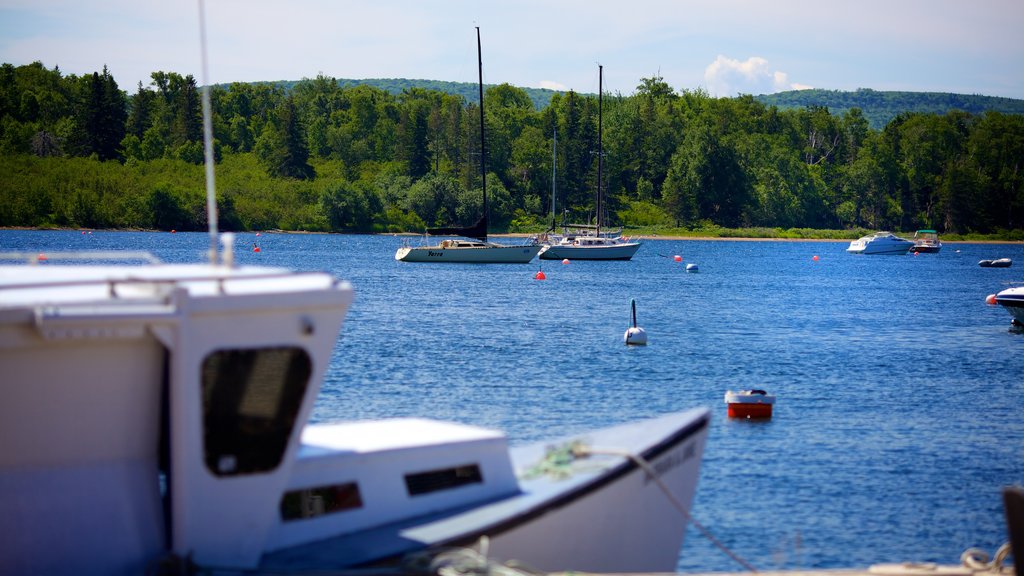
(319, 154)
(540, 97)
(879, 107)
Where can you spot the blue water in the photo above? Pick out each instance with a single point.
(900, 411)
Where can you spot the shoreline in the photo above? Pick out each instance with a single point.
(507, 235)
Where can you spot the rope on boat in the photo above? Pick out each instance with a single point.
(977, 560)
(583, 450)
(464, 562)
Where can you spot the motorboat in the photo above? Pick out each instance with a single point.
(752, 404)
(926, 242)
(880, 243)
(157, 415)
(1012, 299)
(477, 249)
(997, 263)
(592, 244)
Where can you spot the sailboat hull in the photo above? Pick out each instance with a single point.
(620, 251)
(469, 253)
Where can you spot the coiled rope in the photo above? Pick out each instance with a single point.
(978, 560)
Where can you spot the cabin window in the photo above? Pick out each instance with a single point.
(444, 479)
(313, 502)
(251, 399)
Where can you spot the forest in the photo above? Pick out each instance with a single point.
(880, 107)
(79, 151)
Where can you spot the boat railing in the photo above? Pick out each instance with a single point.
(101, 256)
(113, 284)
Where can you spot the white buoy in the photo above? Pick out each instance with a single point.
(634, 335)
(691, 267)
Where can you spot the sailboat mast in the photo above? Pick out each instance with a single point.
(483, 145)
(554, 173)
(600, 140)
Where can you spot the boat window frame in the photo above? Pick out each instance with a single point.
(251, 399)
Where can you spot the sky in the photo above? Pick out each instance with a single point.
(726, 47)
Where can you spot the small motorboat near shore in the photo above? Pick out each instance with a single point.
(880, 243)
(999, 263)
(926, 242)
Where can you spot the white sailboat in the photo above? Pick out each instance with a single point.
(154, 417)
(478, 250)
(589, 243)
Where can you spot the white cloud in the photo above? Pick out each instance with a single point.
(728, 77)
(552, 85)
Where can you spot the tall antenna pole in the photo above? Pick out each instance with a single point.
(211, 194)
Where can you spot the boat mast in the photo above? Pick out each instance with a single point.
(600, 149)
(483, 146)
(554, 173)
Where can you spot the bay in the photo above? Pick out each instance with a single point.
(900, 393)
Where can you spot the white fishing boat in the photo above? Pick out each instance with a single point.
(478, 250)
(588, 243)
(156, 417)
(880, 243)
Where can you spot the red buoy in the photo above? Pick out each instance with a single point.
(540, 275)
(990, 299)
(677, 258)
(565, 261)
(815, 258)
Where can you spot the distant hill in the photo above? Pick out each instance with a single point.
(879, 107)
(541, 97)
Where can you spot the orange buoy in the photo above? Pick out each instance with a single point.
(677, 258)
(540, 275)
(990, 299)
(41, 257)
(565, 261)
(256, 249)
(815, 258)
(173, 231)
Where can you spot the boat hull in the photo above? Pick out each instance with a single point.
(624, 251)
(591, 498)
(490, 254)
(1012, 300)
(888, 250)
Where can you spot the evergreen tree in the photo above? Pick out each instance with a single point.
(282, 146)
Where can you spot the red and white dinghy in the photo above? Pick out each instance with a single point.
(749, 404)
